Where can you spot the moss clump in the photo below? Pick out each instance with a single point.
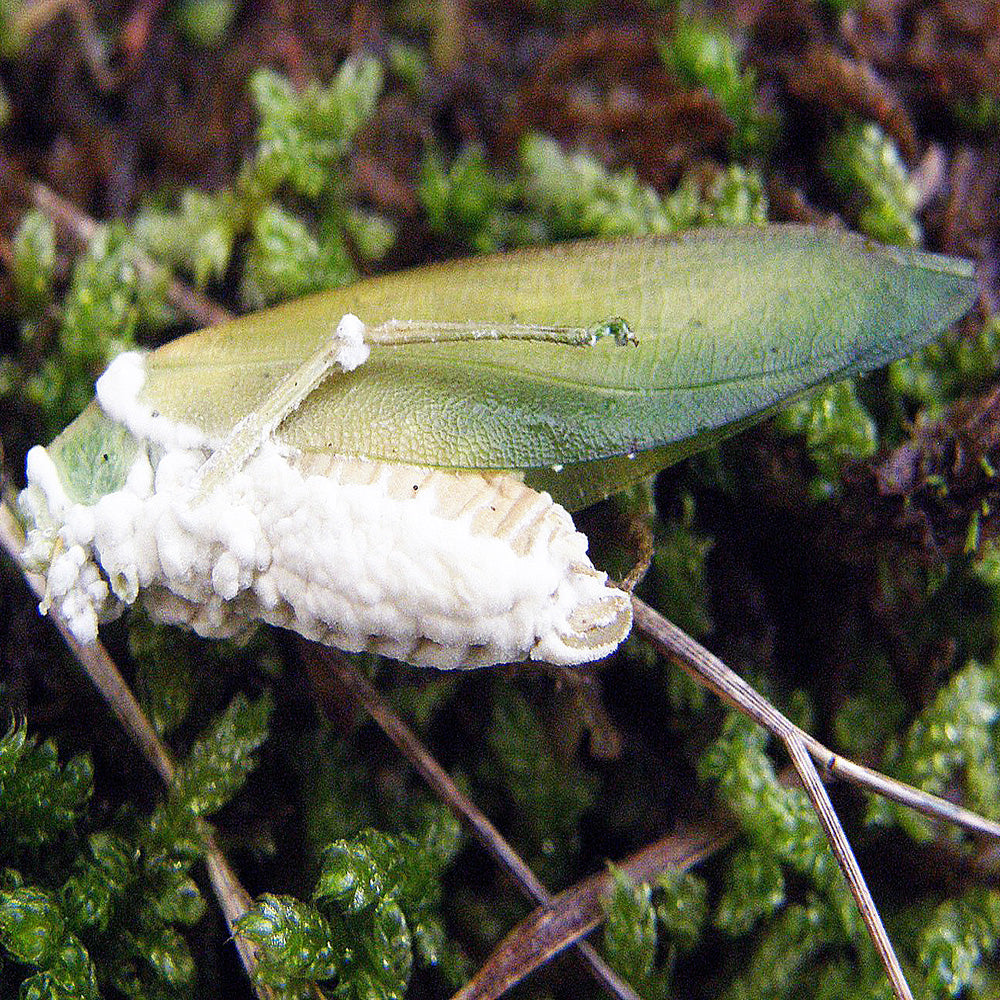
(557, 195)
(302, 142)
(864, 165)
(646, 927)
(374, 912)
(837, 430)
(102, 911)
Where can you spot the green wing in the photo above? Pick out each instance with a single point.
(730, 324)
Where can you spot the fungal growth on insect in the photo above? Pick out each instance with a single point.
(389, 467)
(438, 568)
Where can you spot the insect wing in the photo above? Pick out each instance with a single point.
(729, 324)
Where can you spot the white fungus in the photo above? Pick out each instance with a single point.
(436, 568)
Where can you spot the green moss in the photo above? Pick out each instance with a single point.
(374, 911)
(703, 57)
(779, 822)
(781, 965)
(837, 430)
(550, 794)
(679, 572)
(981, 113)
(12, 36)
(645, 927)
(754, 888)
(101, 912)
(953, 366)
(302, 141)
(630, 933)
(34, 933)
(573, 195)
(42, 800)
(465, 200)
(558, 195)
(874, 711)
(960, 933)
(285, 259)
(863, 163)
(107, 300)
(197, 238)
(219, 762)
(303, 136)
(34, 247)
(839, 7)
(956, 734)
(409, 64)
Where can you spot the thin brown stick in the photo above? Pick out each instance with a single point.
(708, 670)
(848, 865)
(575, 912)
(232, 898)
(324, 663)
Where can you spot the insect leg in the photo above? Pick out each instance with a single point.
(345, 350)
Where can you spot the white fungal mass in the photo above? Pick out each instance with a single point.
(447, 569)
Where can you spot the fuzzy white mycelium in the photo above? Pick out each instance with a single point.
(446, 569)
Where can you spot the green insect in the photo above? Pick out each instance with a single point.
(389, 466)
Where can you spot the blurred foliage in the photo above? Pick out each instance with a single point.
(981, 112)
(12, 36)
(954, 736)
(953, 366)
(704, 57)
(34, 248)
(409, 64)
(864, 165)
(562, 8)
(955, 938)
(550, 794)
(839, 7)
(205, 22)
(679, 577)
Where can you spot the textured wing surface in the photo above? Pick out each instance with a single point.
(730, 324)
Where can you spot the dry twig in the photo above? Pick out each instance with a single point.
(546, 931)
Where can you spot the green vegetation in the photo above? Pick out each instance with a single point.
(302, 140)
(837, 429)
(107, 300)
(642, 938)
(557, 196)
(103, 911)
(97, 904)
(374, 911)
(864, 164)
(702, 57)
